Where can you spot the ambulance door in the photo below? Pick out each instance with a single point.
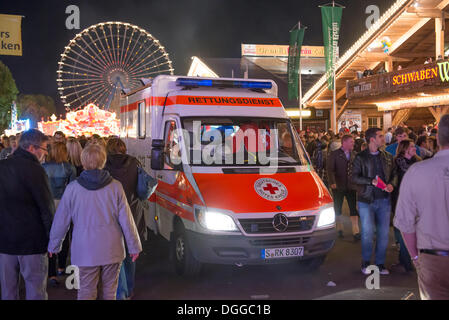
(167, 192)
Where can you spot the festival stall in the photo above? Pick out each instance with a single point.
(87, 121)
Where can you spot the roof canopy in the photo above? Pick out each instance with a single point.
(408, 25)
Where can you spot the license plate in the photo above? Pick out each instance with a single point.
(277, 253)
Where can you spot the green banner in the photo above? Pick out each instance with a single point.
(294, 54)
(331, 18)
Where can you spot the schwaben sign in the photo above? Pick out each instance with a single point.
(417, 78)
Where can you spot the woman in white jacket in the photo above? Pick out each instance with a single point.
(96, 205)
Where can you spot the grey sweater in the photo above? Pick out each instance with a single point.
(102, 220)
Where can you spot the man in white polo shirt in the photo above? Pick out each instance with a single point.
(422, 215)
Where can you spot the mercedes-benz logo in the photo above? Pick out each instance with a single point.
(280, 222)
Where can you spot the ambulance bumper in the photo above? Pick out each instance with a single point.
(240, 249)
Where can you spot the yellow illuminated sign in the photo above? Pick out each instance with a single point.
(415, 76)
(10, 35)
(267, 50)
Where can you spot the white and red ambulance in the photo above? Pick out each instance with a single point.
(235, 185)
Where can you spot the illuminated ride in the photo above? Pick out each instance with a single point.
(16, 125)
(87, 121)
(106, 58)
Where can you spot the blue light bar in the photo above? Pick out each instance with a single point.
(188, 82)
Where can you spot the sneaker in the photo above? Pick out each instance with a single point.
(340, 234)
(357, 237)
(365, 265)
(61, 273)
(384, 271)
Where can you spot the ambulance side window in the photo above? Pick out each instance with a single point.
(172, 151)
(141, 120)
(122, 124)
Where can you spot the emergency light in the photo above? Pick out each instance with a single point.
(187, 82)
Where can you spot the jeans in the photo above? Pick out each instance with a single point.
(122, 288)
(126, 280)
(375, 215)
(33, 269)
(404, 256)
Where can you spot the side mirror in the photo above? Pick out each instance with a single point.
(157, 155)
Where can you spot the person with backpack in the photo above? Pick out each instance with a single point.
(127, 169)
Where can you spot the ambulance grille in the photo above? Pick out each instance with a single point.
(260, 226)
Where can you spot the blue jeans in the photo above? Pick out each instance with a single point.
(404, 256)
(126, 278)
(375, 215)
(122, 288)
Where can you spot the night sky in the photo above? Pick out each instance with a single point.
(205, 28)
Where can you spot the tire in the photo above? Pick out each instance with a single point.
(184, 261)
(312, 264)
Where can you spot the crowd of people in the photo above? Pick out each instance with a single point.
(64, 196)
(369, 170)
(61, 196)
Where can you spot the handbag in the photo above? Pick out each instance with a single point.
(146, 184)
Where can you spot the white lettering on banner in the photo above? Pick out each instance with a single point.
(373, 281)
(72, 21)
(374, 12)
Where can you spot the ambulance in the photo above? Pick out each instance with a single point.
(235, 184)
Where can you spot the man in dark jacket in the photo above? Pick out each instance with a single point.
(339, 167)
(26, 213)
(372, 167)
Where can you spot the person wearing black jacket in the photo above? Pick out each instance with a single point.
(370, 168)
(339, 167)
(123, 167)
(26, 214)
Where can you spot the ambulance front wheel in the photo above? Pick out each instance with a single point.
(185, 262)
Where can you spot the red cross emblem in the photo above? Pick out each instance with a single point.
(270, 188)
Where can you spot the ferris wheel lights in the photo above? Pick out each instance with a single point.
(100, 56)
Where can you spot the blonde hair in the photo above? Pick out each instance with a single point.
(58, 153)
(93, 157)
(74, 150)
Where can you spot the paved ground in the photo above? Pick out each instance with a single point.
(156, 279)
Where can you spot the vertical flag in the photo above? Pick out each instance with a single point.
(294, 54)
(331, 18)
(10, 35)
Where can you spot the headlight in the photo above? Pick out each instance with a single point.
(327, 218)
(215, 221)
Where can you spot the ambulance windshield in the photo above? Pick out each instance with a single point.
(242, 141)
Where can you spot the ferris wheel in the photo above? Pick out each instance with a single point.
(106, 58)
